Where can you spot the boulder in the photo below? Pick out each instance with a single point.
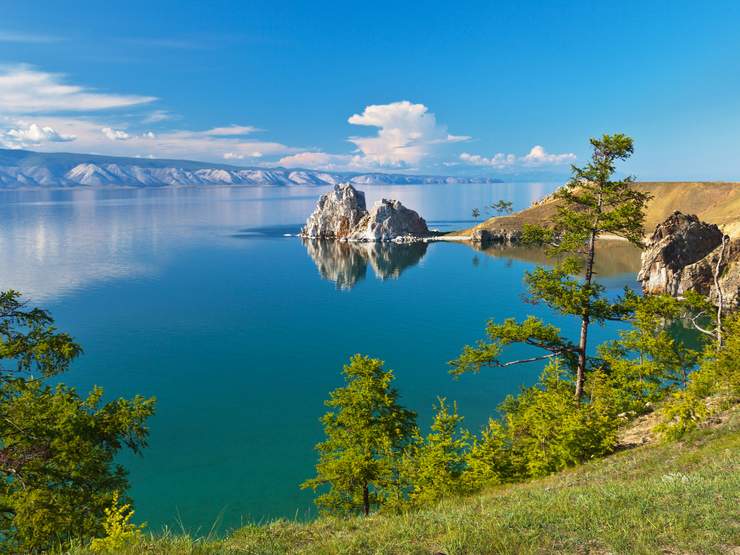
(682, 255)
(336, 213)
(389, 220)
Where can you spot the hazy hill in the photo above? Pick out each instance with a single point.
(28, 169)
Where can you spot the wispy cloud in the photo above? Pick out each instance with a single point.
(26, 90)
(536, 157)
(27, 38)
(231, 130)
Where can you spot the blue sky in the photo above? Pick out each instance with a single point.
(465, 87)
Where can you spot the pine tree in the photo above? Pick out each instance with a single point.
(590, 205)
(366, 430)
(434, 465)
(58, 450)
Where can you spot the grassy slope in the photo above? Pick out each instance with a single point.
(673, 498)
(717, 203)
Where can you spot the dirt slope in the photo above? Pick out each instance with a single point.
(717, 203)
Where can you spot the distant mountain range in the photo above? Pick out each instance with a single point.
(25, 169)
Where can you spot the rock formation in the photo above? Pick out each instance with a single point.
(336, 213)
(389, 220)
(683, 254)
(486, 236)
(341, 214)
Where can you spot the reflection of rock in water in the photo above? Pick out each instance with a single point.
(346, 263)
(612, 257)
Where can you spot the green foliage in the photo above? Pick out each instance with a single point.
(120, 532)
(532, 332)
(502, 207)
(475, 213)
(549, 430)
(488, 461)
(366, 431)
(57, 449)
(591, 204)
(434, 465)
(714, 387)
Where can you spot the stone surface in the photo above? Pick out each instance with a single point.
(682, 255)
(389, 220)
(336, 213)
(487, 236)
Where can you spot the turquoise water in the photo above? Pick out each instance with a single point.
(196, 297)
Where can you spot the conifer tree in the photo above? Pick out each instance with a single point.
(434, 465)
(58, 469)
(590, 205)
(366, 430)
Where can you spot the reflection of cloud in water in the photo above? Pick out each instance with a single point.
(346, 263)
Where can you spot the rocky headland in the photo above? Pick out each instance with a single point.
(686, 254)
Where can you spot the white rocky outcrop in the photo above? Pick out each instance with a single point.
(389, 220)
(337, 213)
(341, 214)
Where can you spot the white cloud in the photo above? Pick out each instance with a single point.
(101, 137)
(25, 90)
(32, 135)
(28, 38)
(231, 130)
(499, 160)
(158, 115)
(316, 160)
(536, 157)
(407, 134)
(115, 134)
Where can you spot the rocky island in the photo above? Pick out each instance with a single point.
(342, 214)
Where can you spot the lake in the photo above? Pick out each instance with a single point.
(195, 296)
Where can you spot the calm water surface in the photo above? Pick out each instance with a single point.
(196, 297)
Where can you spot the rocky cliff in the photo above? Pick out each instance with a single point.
(341, 214)
(683, 254)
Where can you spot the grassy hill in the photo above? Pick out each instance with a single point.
(659, 498)
(717, 203)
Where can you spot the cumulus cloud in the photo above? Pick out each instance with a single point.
(537, 156)
(33, 135)
(25, 90)
(115, 134)
(407, 134)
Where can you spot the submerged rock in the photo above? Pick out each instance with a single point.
(682, 255)
(336, 213)
(389, 220)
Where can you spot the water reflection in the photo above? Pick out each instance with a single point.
(346, 263)
(613, 258)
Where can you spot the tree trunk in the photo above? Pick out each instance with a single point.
(585, 319)
(720, 299)
(366, 499)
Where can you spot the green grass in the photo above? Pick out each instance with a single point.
(672, 498)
